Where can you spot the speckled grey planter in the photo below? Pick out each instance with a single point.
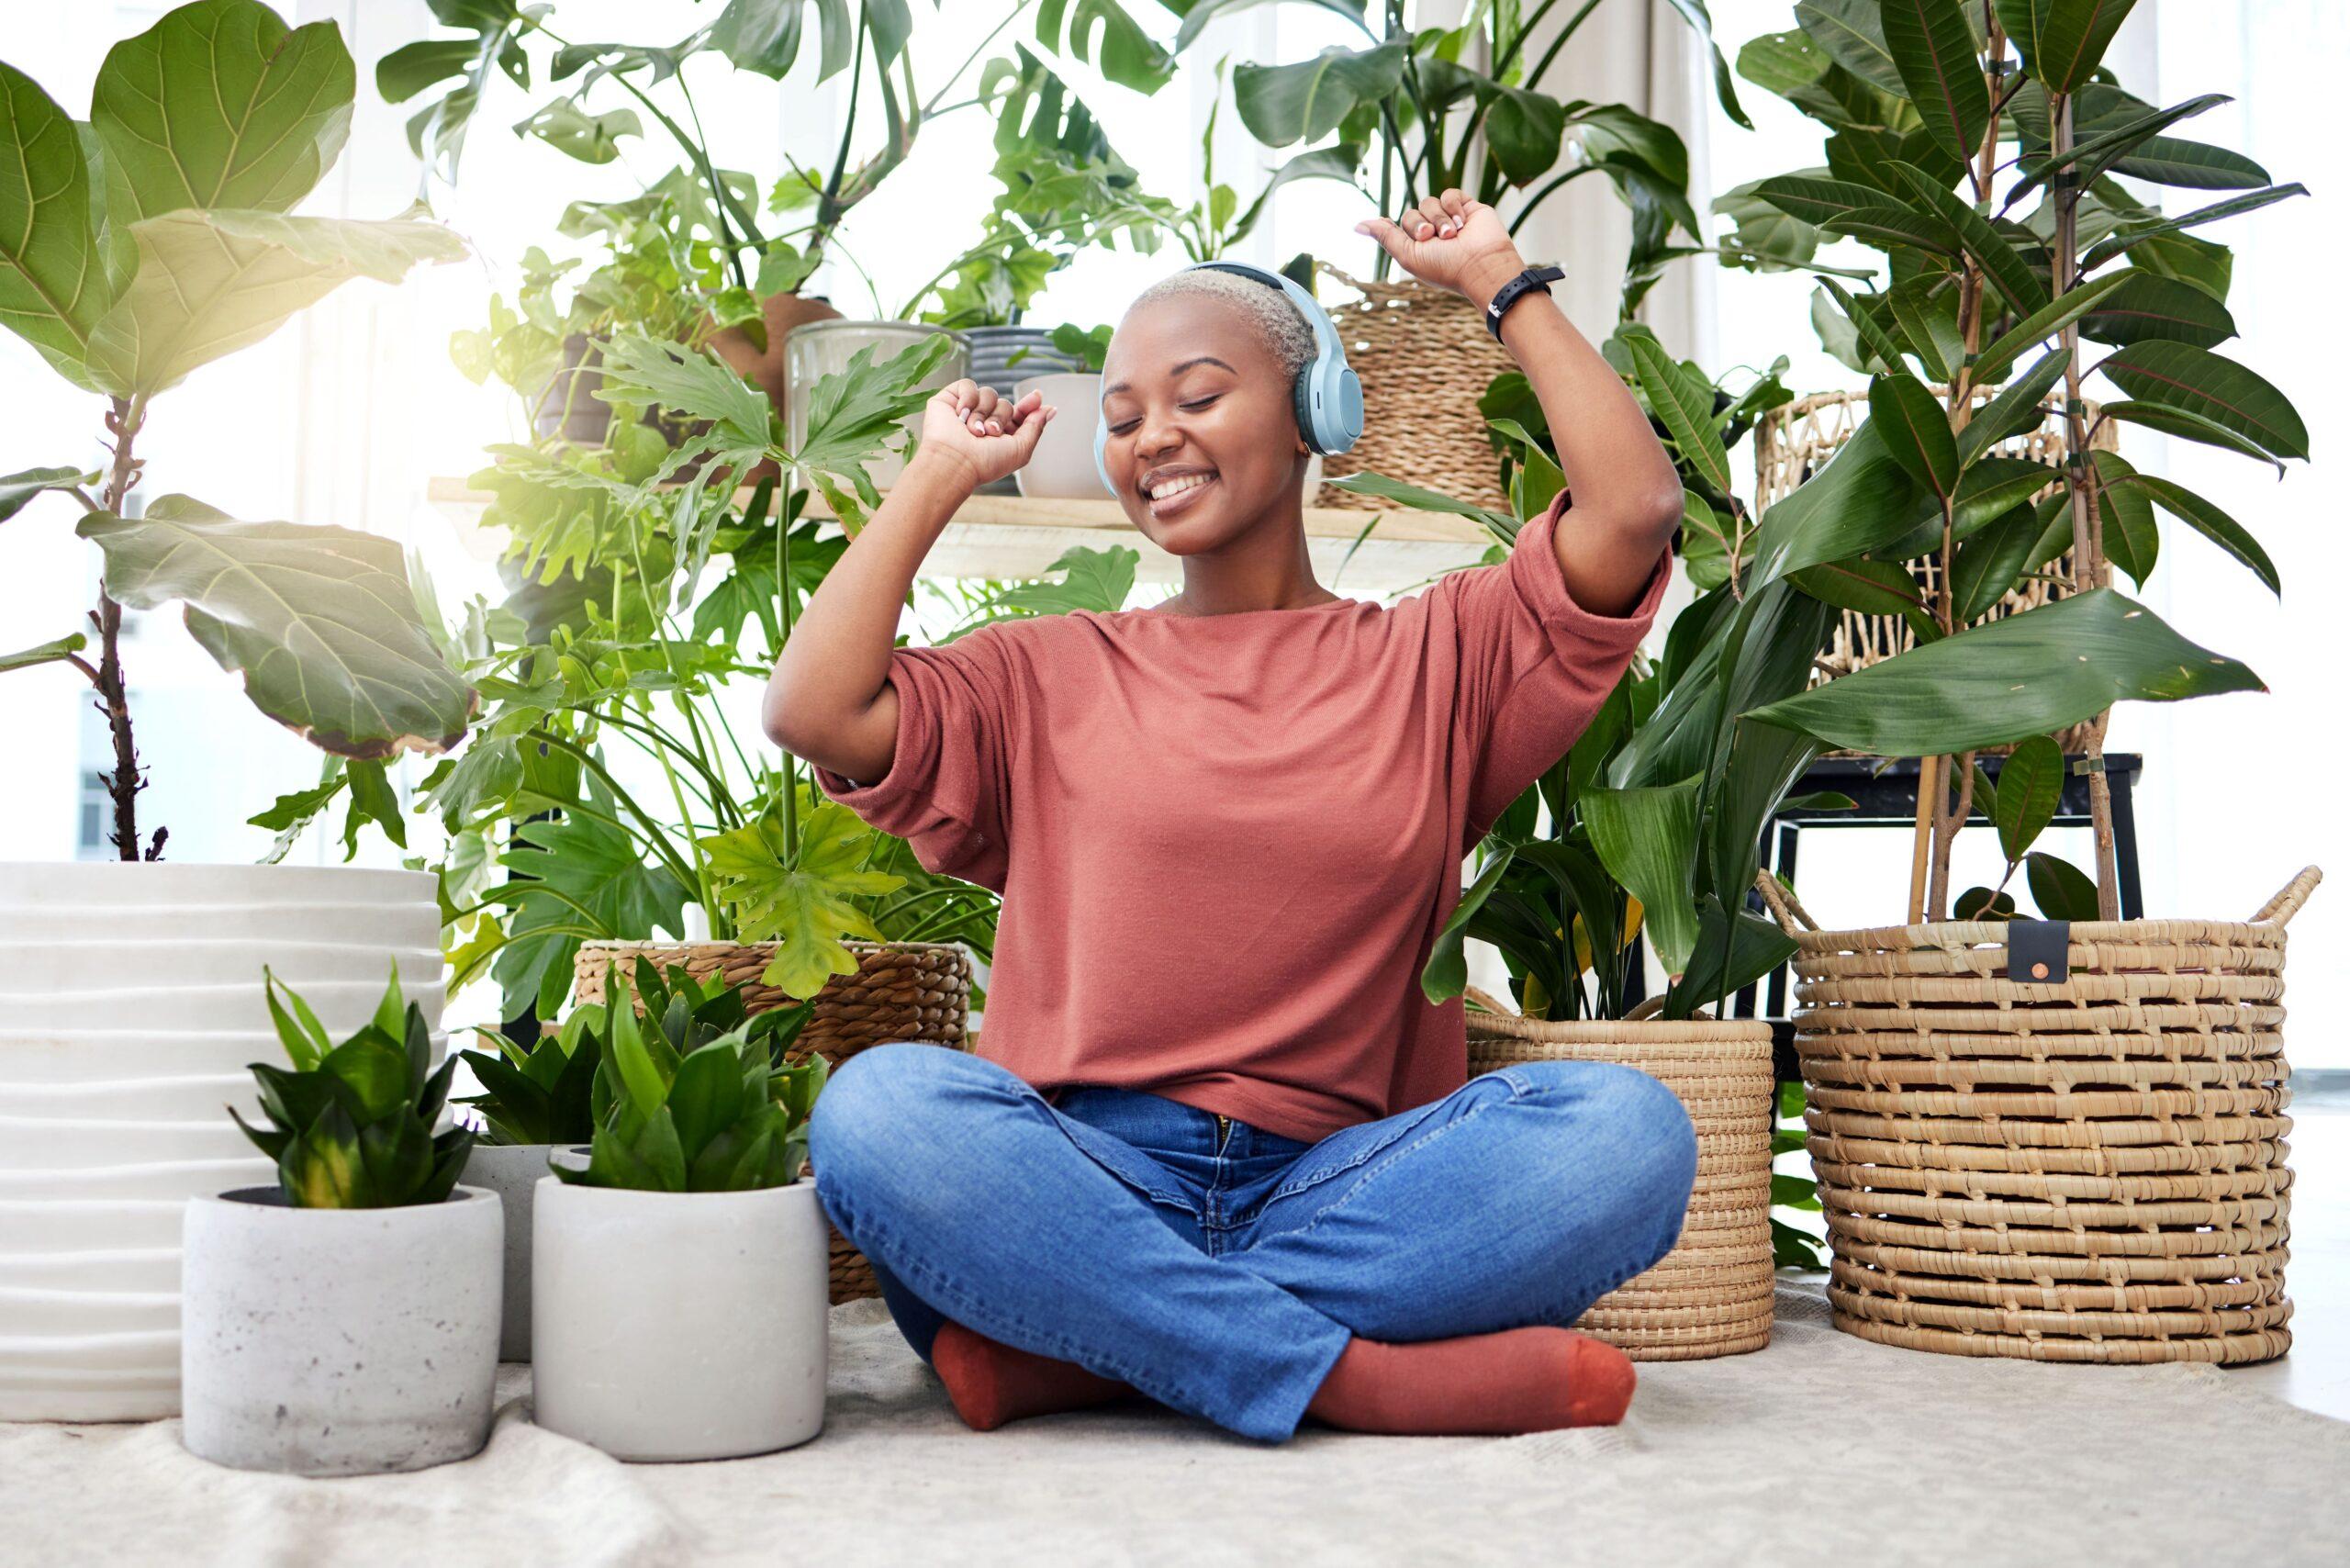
(512, 1171)
(680, 1326)
(338, 1341)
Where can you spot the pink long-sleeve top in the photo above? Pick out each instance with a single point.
(1224, 843)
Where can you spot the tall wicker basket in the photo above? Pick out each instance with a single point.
(2085, 1169)
(1795, 441)
(901, 990)
(1425, 358)
(1711, 1294)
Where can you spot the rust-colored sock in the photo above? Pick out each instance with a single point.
(1518, 1380)
(989, 1384)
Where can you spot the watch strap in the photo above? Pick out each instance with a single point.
(1515, 289)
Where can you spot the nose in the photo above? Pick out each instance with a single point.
(1155, 438)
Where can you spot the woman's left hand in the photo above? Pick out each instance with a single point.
(1451, 241)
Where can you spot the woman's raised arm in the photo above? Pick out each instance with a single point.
(828, 700)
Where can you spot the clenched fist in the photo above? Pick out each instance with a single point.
(1451, 240)
(986, 433)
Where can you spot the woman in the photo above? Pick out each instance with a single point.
(1217, 1146)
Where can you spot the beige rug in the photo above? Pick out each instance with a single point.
(1822, 1449)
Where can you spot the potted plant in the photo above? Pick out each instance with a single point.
(534, 1100)
(345, 1321)
(1989, 1052)
(680, 1292)
(193, 252)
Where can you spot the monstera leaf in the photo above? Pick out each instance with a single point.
(320, 621)
(210, 282)
(255, 124)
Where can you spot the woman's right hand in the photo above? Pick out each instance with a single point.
(987, 434)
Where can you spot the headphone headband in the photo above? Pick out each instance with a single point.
(1327, 393)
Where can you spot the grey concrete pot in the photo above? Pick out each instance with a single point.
(680, 1326)
(512, 1171)
(338, 1341)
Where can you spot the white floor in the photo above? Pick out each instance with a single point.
(2316, 1374)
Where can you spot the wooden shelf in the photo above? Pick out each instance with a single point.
(1021, 537)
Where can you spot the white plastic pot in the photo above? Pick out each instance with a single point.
(131, 1002)
(512, 1171)
(340, 1341)
(679, 1326)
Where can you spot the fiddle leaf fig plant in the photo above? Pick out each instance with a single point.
(351, 1125)
(137, 249)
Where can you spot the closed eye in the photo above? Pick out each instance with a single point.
(1129, 424)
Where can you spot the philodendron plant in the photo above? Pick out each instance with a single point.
(146, 243)
(351, 1125)
(691, 1096)
(1920, 515)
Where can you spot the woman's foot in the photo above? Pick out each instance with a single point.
(1519, 1379)
(989, 1384)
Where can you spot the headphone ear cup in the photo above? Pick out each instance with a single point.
(1100, 453)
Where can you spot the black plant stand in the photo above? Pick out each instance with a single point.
(1884, 795)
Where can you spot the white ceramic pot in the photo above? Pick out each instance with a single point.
(1062, 468)
(679, 1326)
(512, 1170)
(818, 349)
(131, 1002)
(340, 1341)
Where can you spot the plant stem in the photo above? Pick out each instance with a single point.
(2089, 535)
(1534, 76)
(123, 421)
(829, 209)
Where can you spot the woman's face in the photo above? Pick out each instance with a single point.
(1203, 424)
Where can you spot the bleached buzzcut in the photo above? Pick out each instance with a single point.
(1277, 321)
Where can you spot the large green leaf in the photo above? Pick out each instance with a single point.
(320, 621)
(210, 282)
(1648, 840)
(53, 287)
(18, 489)
(2045, 321)
(2016, 408)
(1915, 428)
(2131, 235)
(1200, 13)
(1685, 401)
(2206, 520)
(1304, 102)
(2126, 518)
(803, 900)
(580, 874)
(1102, 33)
(1861, 500)
(2062, 41)
(219, 105)
(2025, 675)
(1934, 51)
(2147, 305)
(2180, 376)
(2031, 784)
(1987, 564)
(1694, 12)
(1853, 32)
(2000, 262)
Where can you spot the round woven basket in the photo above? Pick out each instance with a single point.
(1795, 440)
(2091, 1169)
(1425, 358)
(1711, 1294)
(901, 990)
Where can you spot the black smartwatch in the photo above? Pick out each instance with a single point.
(1516, 289)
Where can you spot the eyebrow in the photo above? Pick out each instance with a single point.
(1179, 369)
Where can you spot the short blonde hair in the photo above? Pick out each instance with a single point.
(1278, 323)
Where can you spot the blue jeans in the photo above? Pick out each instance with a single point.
(1108, 1229)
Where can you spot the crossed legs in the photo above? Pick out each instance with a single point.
(1402, 1275)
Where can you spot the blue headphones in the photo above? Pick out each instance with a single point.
(1328, 397)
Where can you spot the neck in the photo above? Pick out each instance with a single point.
(1263, 566)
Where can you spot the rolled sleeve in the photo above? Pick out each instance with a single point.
(1534, 664)
(947, 789)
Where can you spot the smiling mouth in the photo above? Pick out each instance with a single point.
(1176, 492)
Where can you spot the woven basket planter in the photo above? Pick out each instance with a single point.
(901, 990)
(1423, 357)
(1795, 440)
(2091, 1169)
(1711, 1294)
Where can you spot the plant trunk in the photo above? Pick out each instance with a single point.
(123, 783)
(2088, 534)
